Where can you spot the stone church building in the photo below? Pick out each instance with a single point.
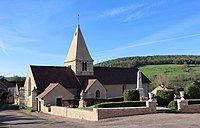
(52, 84)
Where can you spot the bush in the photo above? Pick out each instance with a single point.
(164, 97)
(193, 91)
(131, 95)
(28, 109)
(172, 105)
(120, 104)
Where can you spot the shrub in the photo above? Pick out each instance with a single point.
(131, 95)
(193, 91)
(28, 109)
(164, 97)
(172, 105)
(120, 104)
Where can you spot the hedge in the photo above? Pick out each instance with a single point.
(131, 95)
(164, 97)
(120, 104)
(193, 101)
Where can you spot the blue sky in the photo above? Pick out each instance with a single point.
(39, 32)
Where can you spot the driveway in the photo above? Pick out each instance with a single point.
(19, 118)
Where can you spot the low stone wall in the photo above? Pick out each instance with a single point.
(82, 114)
(101, 113)
(117, 112)
(185, 108)
(58, 111)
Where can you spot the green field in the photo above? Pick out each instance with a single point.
(180, 75)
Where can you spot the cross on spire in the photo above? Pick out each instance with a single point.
(78, 19)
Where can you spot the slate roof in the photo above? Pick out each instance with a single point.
(114, 75)
(90, 83)
(6, 83)
(44, 75)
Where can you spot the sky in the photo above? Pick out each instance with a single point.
(39, 32)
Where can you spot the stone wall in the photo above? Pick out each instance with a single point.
(58, 111)
(185, 108)
(118, 112)
(101, 113)
(82, 114)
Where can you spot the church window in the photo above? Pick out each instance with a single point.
(84, 66)
(97, 94)
(29, 86)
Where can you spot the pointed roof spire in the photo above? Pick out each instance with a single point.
(78, 49)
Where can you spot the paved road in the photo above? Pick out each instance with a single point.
(16, 118)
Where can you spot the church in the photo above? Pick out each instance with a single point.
(52, 84)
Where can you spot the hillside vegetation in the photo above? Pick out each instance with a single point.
(171, 70)
(151, 60)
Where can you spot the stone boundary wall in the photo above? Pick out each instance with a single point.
(82, 114)
(185, 108)
(118, 112)
(101, 113)
(58, 111)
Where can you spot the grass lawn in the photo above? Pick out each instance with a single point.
(173, 71)
(170, 69)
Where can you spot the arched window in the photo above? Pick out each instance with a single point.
(84, 66)
(97, 94)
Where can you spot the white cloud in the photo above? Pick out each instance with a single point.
(146, 10)
(120, 10)
(2, 47)
(133, 11)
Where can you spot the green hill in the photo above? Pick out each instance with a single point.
(151, 60)
(175, 75)
(170, 70)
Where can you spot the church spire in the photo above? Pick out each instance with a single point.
(78, 57)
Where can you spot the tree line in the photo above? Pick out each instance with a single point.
(151, 60)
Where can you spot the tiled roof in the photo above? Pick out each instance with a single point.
(90, 83)
(44, 75)
(114, 75)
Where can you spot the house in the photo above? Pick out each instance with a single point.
(7, 90)
(161, 87)
(49, 85)
(18, 84)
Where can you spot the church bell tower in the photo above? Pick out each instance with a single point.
(78, 57)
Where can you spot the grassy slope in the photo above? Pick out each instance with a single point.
(173, 71)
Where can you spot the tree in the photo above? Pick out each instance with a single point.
(162, 80)
(193, 91)
(16, 78)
